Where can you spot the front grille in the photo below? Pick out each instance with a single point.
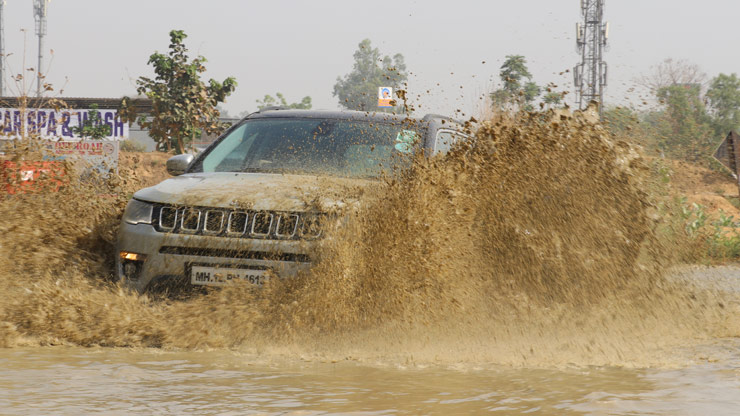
(213, 222)
(286, 225)
(235, 254)
(261, 224)
(237, 224)
(167, 218)
(276, 225)
(190, 220)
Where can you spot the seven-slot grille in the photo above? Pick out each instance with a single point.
(236, 223)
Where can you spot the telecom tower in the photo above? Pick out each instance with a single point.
(39, 15)
(591, 35)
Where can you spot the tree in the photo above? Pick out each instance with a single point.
(270, 101)
(183, 106)
(684, 126)
(518, 88)
(552, 98)
(621, 121)
(92, 127)
(724, 101)
(513, 71)
(673, 72)
(358, 90)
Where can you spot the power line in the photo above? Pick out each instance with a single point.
(589, 75)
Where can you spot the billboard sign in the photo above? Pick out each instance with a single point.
(56, 124)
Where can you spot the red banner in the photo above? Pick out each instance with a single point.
(31, 176)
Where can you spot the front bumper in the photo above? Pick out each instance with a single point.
(168, 256)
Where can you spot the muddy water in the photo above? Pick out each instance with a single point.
(72, 381)
(525, 271)
(701, 377)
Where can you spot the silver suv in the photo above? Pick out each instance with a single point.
(245, 208)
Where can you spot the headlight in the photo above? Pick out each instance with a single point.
(138, 212)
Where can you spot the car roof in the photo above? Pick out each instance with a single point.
(434, 121)
(333, 114)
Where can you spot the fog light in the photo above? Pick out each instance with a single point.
(130, 270)
(131, 264)
(127, 255)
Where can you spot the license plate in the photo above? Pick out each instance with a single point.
(216, 276)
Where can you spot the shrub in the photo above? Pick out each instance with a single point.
(129, 145)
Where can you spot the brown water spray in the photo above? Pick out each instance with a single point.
(532, 243)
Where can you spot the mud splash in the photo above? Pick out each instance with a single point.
(535, 244)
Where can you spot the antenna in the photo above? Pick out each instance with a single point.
(39, 15)
(589, 75)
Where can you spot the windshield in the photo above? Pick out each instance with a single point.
(349, 148)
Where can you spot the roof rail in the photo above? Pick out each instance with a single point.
(273, 108)
(439, 116)
(432, 115)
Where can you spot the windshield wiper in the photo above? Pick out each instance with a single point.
(260, 170)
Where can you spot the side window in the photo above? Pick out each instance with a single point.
(445, 140)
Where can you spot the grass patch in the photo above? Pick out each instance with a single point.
(735, 201)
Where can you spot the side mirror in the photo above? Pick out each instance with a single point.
(177, 165)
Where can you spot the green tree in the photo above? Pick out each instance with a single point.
(518, 88)
(270, 101)
(683, 127)
(552, 98)
(92, 127)
(183, 106)
(513, 71)
(358, 90)
(724, 101)
(625, 123)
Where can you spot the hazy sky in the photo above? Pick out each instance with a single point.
(300, 47)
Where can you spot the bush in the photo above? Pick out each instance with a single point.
(129, 145)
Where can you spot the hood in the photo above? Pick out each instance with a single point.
(260, 191)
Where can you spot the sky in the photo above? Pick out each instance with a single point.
(453, 49)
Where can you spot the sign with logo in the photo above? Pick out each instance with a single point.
(385, 97)
(56, 124)
(101, 155)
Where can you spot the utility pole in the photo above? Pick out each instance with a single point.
(589, 75)
(39, 15)
(2, 48)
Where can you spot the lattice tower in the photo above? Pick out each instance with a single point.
(591, 40)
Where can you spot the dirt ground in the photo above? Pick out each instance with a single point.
(148, 166)
(711, 189)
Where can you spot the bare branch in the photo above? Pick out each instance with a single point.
(673, 72)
